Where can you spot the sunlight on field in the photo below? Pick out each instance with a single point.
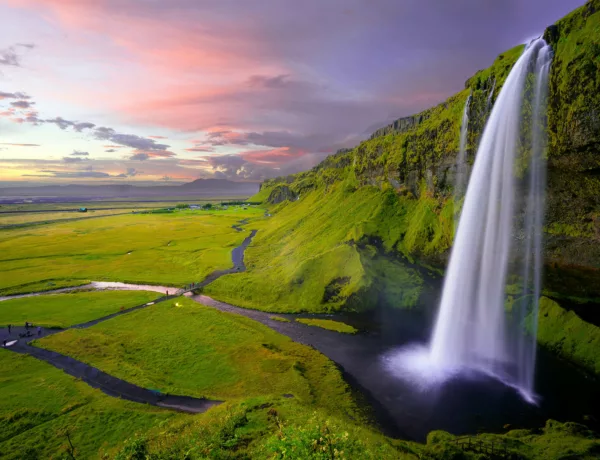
(41, 217)
(196, 350)
(171, 249)
(62, 310)
(40, 404)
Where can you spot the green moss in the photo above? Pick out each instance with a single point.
(332, 325)
(555, 441)
(568, 335)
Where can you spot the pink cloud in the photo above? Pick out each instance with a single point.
(200, 149)
(274, 156)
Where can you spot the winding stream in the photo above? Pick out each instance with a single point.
(462, 405)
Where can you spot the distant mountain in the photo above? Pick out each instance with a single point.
(198, 188)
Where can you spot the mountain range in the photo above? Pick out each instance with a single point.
(197, 188)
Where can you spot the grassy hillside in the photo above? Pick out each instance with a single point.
(277, 428)
(319, 254)
(39, 405)
(368, 224)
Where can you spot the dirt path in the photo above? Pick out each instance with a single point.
(110, 385)
(113, 386)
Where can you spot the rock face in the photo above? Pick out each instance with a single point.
(401, 125)
(280, 194)
(415, 158)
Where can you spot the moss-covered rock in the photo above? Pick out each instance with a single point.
(568, 335)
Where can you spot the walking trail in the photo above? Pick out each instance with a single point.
(94, 377)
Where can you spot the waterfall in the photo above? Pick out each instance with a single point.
(461, 160)
(488, 105)
(534, 219)
(472, 330)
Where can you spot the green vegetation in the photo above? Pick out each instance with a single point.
(39, 405)
(63, 310)
(555, 441)
(279, 428)
(330, 324)
(279, 318)
(568, 335)
(367, 226)
(44, 285)
(317, 254)
(384, 211)
(198, 351)
(265, 428)
(9, 220)
(170, 250)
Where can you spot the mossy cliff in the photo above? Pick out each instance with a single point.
(374, 224)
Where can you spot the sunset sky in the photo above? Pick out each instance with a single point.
(104, 91)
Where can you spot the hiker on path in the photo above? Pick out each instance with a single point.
(4, 343)
(39, 329)
(26, 325)
(9, 326)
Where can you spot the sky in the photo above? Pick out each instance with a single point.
(155, 91)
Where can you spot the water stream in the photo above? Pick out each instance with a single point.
(461, 159)
(473, 331)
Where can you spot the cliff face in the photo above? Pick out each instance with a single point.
(414, 159)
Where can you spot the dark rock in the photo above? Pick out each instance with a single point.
(280, 194)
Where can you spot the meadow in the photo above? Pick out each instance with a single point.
(30, 218)
(170, 249)
(182, 347)
(313, 255)
(329, 324)
(39, 405)
(63, 310)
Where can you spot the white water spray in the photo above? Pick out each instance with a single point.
(473, 331)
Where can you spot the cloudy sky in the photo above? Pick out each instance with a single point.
(100, 91)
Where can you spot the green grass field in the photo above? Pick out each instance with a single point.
(40, 404)
(305, 258)
(114, 203)
(166, 249)
(199, 351)
(50, 217)
(329, 324)
(63, 310)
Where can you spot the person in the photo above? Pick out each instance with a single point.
(167, 292)
(9, 326)
(39, 329)
(4, 343)
(26, 325)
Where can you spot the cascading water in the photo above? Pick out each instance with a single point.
(461, 159)
(488, 105)
(534, 219)
(473, 330)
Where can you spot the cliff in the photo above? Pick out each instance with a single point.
(374, 224)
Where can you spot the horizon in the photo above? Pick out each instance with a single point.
(89, 95)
